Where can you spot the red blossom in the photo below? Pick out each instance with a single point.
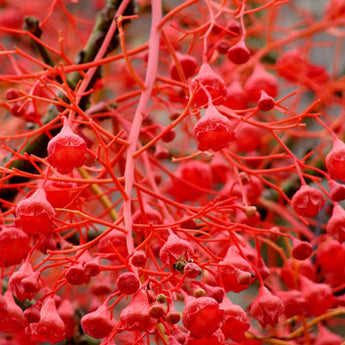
(50, 327)
(158, 158)
(213, 131)
(201, 316)
(267, 308)
(98, 324)
(175, 249)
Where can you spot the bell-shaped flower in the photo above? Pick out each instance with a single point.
(201, 316)
(136, 316)
(266, 308)
(25, 283)
(50, 327)
(35, 214)
(98, 324)
(175, 249)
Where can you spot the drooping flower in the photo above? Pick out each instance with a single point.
(294, 302)
(235, 322)
(136, 316)
(328, 256)
(60, 193)
(236, 272)
(325, 337)
(212, 82)
(239, 53)
(35, 214)
(66, 312)
(213, 131)
(335, 161)
(98, 324)
(116, 239)
(258, 81)
(25, 283)
(188, 65)
(308, 201)
(150, 216)
(319, 296)
(337, 190)
(201, 316)
(265, 102)
(215, 292)
(50, 327)
(174, 249)
(66, 150)
(11, 315)
(266, 308)
(336, 224)
(236, 98)
(14, 246)
(194, 172)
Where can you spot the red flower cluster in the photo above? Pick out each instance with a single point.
(172, 172)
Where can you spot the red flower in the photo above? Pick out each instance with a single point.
(50, 326)
(335, 161)
(136, 316)
(175, 249)
(35, 214)
(267, 308)
(213, 131)
(294, 302)
(25, 283)
(66, 150)
(261, 80)
(235, 322)
(97, 324)
(212, 82)
(14, 246)
(11, 315)
(319, 297)
(201, 316)
(307, 201)
(336, 224)
(128, 283)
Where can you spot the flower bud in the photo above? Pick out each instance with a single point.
(192, 270)
(76, 275)
(128, 283)
(239, 53)
(25, 283)
(188, 65)
(157, 310)
(138, 259)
